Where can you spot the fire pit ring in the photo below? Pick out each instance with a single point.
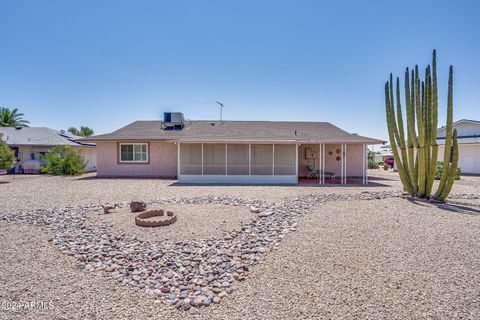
(140, 219)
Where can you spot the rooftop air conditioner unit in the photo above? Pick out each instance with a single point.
(173, 120)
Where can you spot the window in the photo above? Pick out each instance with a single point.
(133, 152)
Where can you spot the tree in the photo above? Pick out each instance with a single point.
(83, 132)
(7, 157)
(63, 161)
(12, 118)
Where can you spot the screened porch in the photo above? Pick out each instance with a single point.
(262, 163)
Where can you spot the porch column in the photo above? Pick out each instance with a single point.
(178, 160)
(296, 161)
(249, 159)
(363, 163)
(341, 164)
(202, 159)
(320, 163)
(345, 164)
(366, 163)
(323, 163)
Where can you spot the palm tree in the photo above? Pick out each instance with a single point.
(83, 132)
(12, 118)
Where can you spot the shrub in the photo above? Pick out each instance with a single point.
(380, 163)
(372, 164)
(7, 157)
(439, 171)
(63, 161)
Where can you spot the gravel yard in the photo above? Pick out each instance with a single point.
(193, 221)
(359, 261)
(348, 252)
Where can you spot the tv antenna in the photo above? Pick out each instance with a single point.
(221, 105)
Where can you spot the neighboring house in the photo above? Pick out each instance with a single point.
(231, 151)
(30, 143)
(468, 132)
(382, 155)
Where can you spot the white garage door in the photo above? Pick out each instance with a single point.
(469, 158)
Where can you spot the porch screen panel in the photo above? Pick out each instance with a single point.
(284, 159)
(214, 158)
(261, 159)
(237, 159)
(191, 158)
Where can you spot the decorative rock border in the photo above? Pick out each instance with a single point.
(140, 219)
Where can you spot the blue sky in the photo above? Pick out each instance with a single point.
(106, 63)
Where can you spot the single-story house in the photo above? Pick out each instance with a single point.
(233, 151)
(468, 133)
(29, 143)
(382, 155)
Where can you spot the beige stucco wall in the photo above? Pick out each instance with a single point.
(90, 156)
(354, 159)
(162, 161)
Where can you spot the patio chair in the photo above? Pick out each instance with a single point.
(312, 173)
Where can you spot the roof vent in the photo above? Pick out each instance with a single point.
(173, 120)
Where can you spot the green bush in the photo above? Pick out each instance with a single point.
(380, 163)
(439, 171)
(63, 161)
(372, 164)
(7, 157)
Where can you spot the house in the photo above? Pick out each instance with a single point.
(233, 151)
(382, 155)
(468, 133)
(29, 143)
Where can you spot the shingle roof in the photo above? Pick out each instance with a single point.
(211, 131)
(39, 136)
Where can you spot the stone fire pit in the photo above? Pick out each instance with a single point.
(141, 219)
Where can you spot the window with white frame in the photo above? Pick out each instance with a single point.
(133, 152)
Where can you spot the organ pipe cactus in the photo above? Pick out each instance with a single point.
(416, 156)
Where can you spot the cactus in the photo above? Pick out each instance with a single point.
(416, 157)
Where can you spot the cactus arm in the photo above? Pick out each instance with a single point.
(453, 169)
(448, 136)
(391, 133)
(429, 161)
(433, 125)
(401, 130)
(414, 134)
(391, 101)
(411, 135)
(421, 138)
